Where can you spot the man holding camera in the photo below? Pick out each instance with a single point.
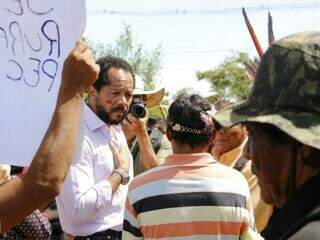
(92, 200)
(149, 146)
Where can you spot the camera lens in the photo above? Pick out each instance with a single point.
(138, 110)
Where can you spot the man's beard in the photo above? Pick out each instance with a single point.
(106, 116)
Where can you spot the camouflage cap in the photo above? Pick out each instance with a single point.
(286, 91)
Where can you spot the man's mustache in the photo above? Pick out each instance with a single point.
(120, 109)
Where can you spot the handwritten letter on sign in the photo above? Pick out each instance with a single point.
(35, 38)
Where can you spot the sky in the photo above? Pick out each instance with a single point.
(196, 35)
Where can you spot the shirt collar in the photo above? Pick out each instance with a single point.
(189, 159)
(92, 120)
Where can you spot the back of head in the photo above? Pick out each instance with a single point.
(189, 120)
(105, 64)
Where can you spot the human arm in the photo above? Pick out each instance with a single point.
(138, 128)
(50, 165)
(165, 148)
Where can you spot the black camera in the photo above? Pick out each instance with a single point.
(137, 108)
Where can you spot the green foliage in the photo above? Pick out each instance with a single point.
(144, 63)
(182, 91)
(158, 111)
(211, 99)
(229, 80)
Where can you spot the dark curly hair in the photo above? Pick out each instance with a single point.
(105, 64)
(190, 112)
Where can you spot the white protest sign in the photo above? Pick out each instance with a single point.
(35, 38)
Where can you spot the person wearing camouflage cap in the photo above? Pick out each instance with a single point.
(282, 115)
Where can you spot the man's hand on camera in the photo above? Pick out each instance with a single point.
(136, 126)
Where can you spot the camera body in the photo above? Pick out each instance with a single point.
(137, 108)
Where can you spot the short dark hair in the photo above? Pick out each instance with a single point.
(189, 111)
(105, 64)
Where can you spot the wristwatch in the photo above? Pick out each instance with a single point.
(125, 178)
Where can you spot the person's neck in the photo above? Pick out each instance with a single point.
(187, 149)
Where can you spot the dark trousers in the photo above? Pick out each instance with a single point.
(105, 235)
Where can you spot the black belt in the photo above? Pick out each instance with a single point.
(105, 235)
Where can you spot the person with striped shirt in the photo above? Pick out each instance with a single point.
(190, 196)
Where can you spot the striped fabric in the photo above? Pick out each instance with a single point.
(191, 196)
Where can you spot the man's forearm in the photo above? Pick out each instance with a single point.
(57, 149)
(147, 154)
(49, 166)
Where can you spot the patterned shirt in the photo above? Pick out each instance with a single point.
(191, 196)
(34, 226)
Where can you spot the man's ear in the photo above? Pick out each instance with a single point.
(307, 154)
(92, 92)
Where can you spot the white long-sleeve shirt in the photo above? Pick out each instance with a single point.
(86, 204)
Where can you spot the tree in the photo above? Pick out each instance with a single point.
(182, 92)
(146, 64)
(187, 91)
(229, 80)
